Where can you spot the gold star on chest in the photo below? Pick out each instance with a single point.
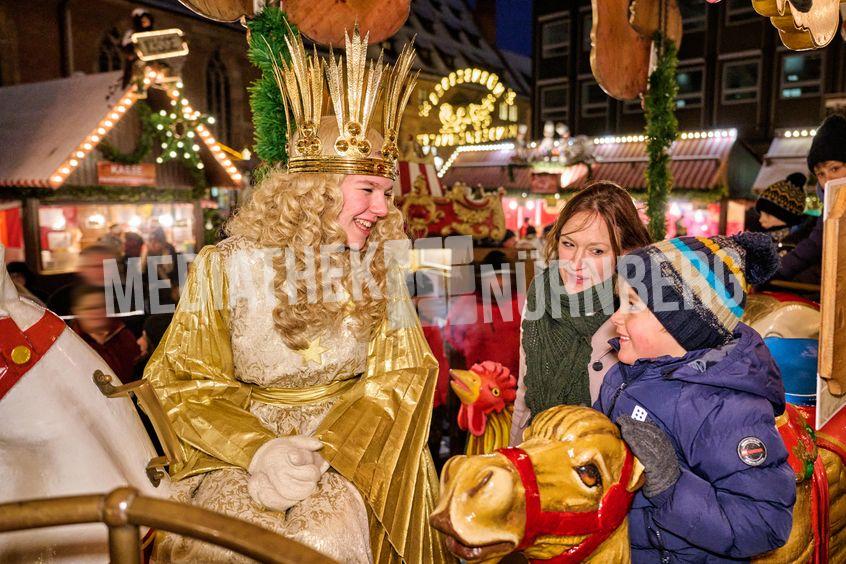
(314, 352)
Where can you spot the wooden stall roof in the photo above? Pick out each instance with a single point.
(42, 123)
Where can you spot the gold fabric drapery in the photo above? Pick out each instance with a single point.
(375, 434)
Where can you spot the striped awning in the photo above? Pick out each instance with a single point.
(409, 172)
(490, 169)
(696, 164)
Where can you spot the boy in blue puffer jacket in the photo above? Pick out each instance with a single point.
(696, 394)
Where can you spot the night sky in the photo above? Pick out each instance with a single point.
(513, 25)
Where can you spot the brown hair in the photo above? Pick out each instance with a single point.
(614, 205)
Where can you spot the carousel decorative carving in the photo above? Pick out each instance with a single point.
(456, 213)
(221, 10)
(324, 21)
(802, 24)
(624, 73)
(487, 392)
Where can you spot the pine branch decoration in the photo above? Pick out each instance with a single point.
(267, 41)
(661, 130)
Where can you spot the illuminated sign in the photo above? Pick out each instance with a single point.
(474, 122)
(163, 44)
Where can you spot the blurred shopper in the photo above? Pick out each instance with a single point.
(151, 334)
(480, 327)
(158, 247)
(113, 238)
(108, 336)
(89, 272)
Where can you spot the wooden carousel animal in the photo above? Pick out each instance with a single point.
(564, 493)
(59, 435)
(487, 392)
(561, 493)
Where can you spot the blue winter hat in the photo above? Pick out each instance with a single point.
(696, 286)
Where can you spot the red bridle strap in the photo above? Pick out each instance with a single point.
(598, 525)
(21, 350)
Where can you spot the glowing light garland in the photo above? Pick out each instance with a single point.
(177, 129)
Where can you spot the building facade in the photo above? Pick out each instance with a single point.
(52, 39)
(733, 72)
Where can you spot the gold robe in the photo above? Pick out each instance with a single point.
(222, 345)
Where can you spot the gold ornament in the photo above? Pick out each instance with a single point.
(802, 29)
(354, 88)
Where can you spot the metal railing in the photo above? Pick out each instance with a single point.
(124, 512)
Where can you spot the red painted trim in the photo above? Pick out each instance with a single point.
(38, 339)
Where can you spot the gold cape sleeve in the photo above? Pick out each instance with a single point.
(376, 437)
(192, 374)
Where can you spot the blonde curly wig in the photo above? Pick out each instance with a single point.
(297, 213)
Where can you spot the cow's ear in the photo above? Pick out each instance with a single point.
(637, 479)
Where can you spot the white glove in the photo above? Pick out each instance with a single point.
(285, 471)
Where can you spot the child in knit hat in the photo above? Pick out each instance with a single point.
(696, 394)
(781, 212)
(827, 160)
(782, 204)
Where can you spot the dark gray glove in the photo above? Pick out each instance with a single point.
(653, 448)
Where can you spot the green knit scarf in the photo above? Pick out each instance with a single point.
(557, 344)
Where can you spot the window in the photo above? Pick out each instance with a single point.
(740, 82)
(594, 101)
(801, 75)
(587, 26)
(694, 15)
(740, 12)
(553, 103)
(691, 81)
(217, 96)
(110, 57)
(555, 38)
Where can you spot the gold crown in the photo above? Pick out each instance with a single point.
(354, 95)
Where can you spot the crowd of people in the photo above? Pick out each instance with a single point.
(124, 339)
(694, 390)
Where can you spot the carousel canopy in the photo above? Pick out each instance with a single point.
(409, 172)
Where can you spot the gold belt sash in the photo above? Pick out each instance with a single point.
(302, 396)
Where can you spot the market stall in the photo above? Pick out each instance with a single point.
(93, 156)
(712, 177)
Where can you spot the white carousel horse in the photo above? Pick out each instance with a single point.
(59, 435)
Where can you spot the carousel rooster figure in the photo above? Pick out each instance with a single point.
(487, 392)
(59, 435)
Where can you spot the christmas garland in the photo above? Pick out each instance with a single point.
(145, 140)
(267, 44)
(175, 131)
(101, 194)
(661, 130)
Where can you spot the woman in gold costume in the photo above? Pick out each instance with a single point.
(295, 373)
